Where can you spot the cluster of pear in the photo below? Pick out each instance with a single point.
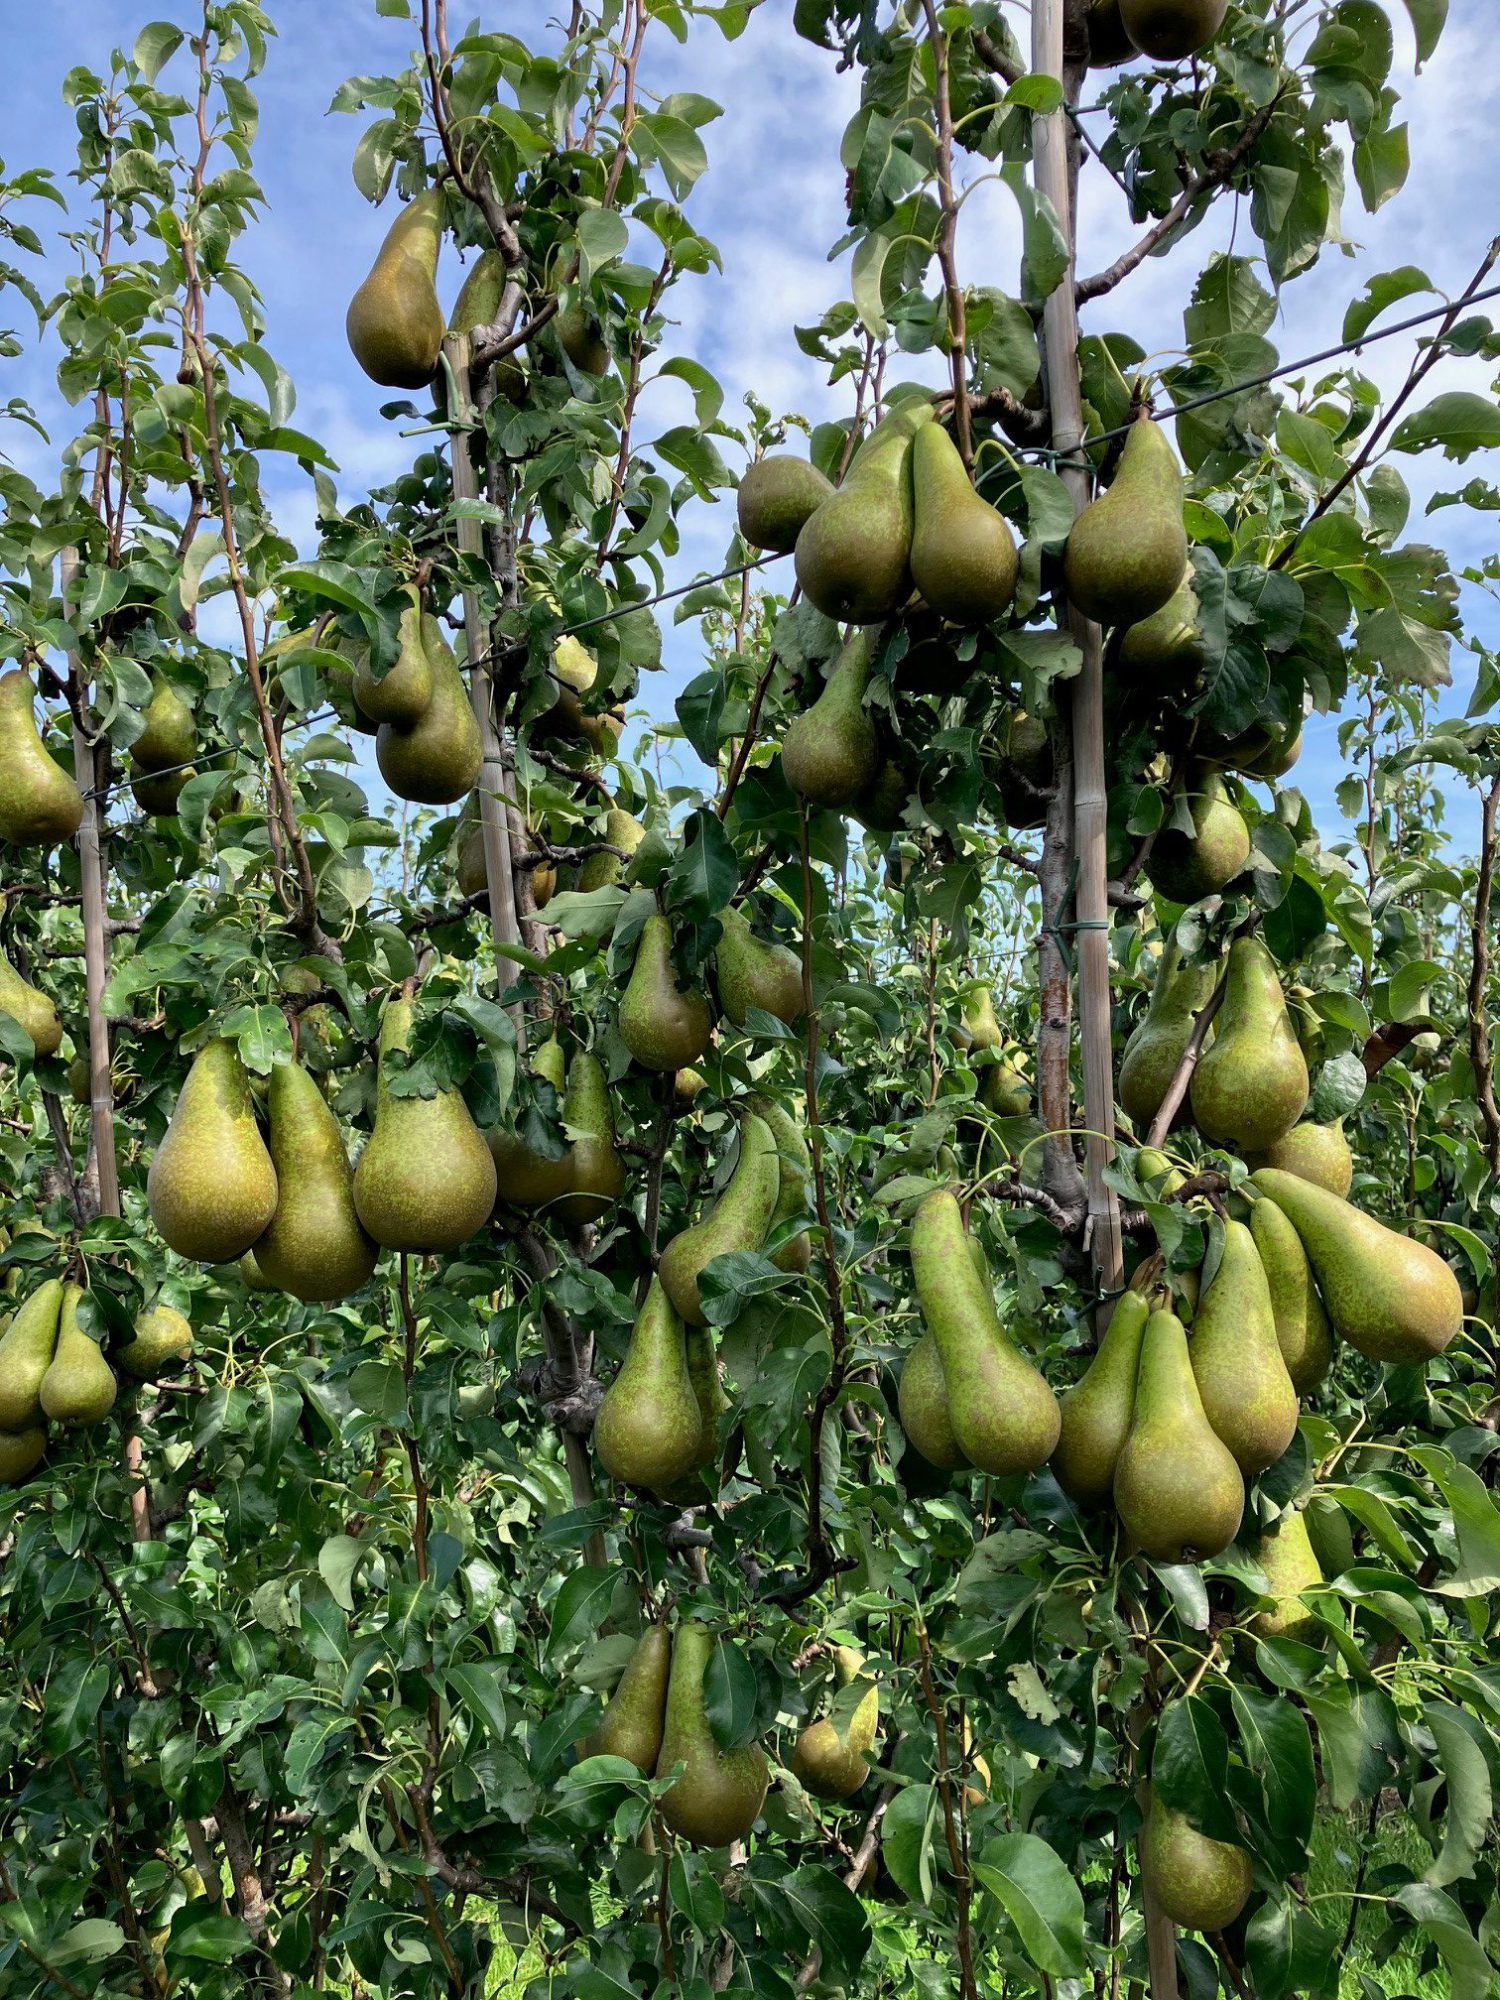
(1003, 1086)
(40, 804)
(1167, 30)
(426, 737)
(667, 1024)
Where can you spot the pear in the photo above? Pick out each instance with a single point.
(394, 323)
(633, 1719)
(211, 1187)
(832, 1763)
(1316, 1153)
(425, 1180)
(1157, 1175)
(158, 792)
(169, 739)
(470, 871)
(314, 1247)
(1392, 1298)
(1250, 1086)
(922, 1405)
(881, 806)
(1096, 1412)
(853, 555)
(440, 757)
(39, 803)
(30, 1009)
(1005, 1418)
(830, 754)
(752, 973)
(621, 829)
(1128, 549)
(1170, 30)
(596, 1167)
(1285, 1553)
(526, 1177)
(664, 1025)
(574, 667)
(694, 1489)
(580, 337)
(778, 496)
(1302, 1330)
(1109, 44)
(402, 694)
(79, 1386)
(649, 1428)
(719, 1795)
(1178, 995)
(21, 1452)
(1164, 654)
(1243, 1384)
(739, 1220)
(250, 1274)
(1201, 1884)
(792, 1199)
(1023, 768)
(980, 1025)
(1178, 1491)
(963, 555)
(478, 304)
(1004, 1090)
(162, 1340)
(26, 1350)
(1187, 867)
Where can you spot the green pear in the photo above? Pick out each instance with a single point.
(830, 754)
(793, 1199)
(980, 1025)
(596, 1166)
(1005, 1090)
(1005, 1418)
(1171, 30)
(425, 1180)
(478, 304)
(777, 497)
(21, 1452)
(1178, 1491)
(1392, 1298)
(1109, 44)
(621, 829)
(922, 1405)
(314, 1246)
(158, 792)
(162, 1341)
(211, 1186)
(26, 1350)
(79, 1386)
(403, 692)
(1164, 654)
(1128, 549)
(1201, 1884)
(1302, 1330)
(1243, 1384)
(830, 1762)
(635, 1715)
(719, 1794)
(581, 338)
(1179, 993)
(440, 757)
(30, 1008)
(394, 323)
(664, 1025)
(853, 555)
(752, 973)
(1023, 768)
(1097, 1410)
(250, 1274)
(1316, 1153)
(739, 1220)
(1157, 1175)
(170, 736)
(963, 555)
(1285, 1553)
(39, 803)
(649, 1428)
(708, 1389)
(525, 1176)
(1250, 1085)
(881, 806)
(1187, 867)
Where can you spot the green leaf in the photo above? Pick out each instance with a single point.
(1468, 1965)
(1476, 1523)
(155, 47)
(1289, 1951)
(1428, 19)
(1038, 1893)
(479, 1685)
(1277, 1747)
(75, 1694)
(906, 1840)
(1188, 1766)
(1388, 289)
(831, 1917)
(730, 1694)
(706, 872)
(580, 1606)
(1461, 421)
(338, 1559)
(602, 237)
(1470, 1803)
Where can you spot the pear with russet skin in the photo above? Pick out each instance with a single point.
(752, 973)
(1243, 1384)
(1005, 1089)
(963, 555)
(1201, 1884)
(1165, 653)
(1023, 769)
(922, 1405)
(1250, 1086)
(30, 1008)
(664, 1025)
(635, 1715)
(1109, 45)
(39, 803)
(795, 1168)
(21, 1452)
(980, 1025)
(1178, 995)
(1096, 1412)
(1285, 1552)
(161, 1342)
(649, 1428)
(1187, 867)
(777, 497)
(1171, 30)
(719, 1794)
(1128, 549)
(79, 1386)
(621, 829)
(596, 1165)
(854, 553)
(1178, 1490)
(830, 1762)
(315, 1246)
(211, 1187)
(525, 1176)
(438, 758)
(830, 754)
(26, 1350)
(739, 1220)
(1316, 1153)
(394, 323)
(1302, 1330)
(402, 694)
(161, 756)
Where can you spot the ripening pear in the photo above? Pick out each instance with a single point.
(1178, 994)
(752, 973)
(1302, 1330)
(39, 803)
(777, 497)
(1005, 1089)
(211, 1187)
(621, 829)
(963, 555)
(1285, 1553)
(980, 1025)
(830, 1762)
(1243, 1384)
(1109, 44)
(719, 1795)
(581, 338)
(162, 1340)
(439, 758)
(1128, 549)
(854, 553)
(170, 736)
(739, 1220)
(1389, 1296)
(649, 1428)
(21, 1452)
(1187, 867)
(30, 1008)
(635, 1715)
(79, 1386)
(664, 1025)
(394, 323)
(425, 1180)
(794, 1163)
(314, 1247)
(1316, 1153)
(1097, 1410)
(478, 304)
(1023, 768)
(1005, 1418)
(402, 693)
(1170, 30)
(1201, 1884)
(26, 1350)
(1178, 1491)
(922, 1405)
(1250, 1086)
(1164, 654)
(596, 1165)
(830, 754)
(1157, 1175)
(881, 806)
(525, 1176)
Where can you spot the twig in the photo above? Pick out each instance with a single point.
(1481, 1053)
(1182, 1076)
(947, 236)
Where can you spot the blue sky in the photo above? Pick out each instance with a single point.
(773, 202)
